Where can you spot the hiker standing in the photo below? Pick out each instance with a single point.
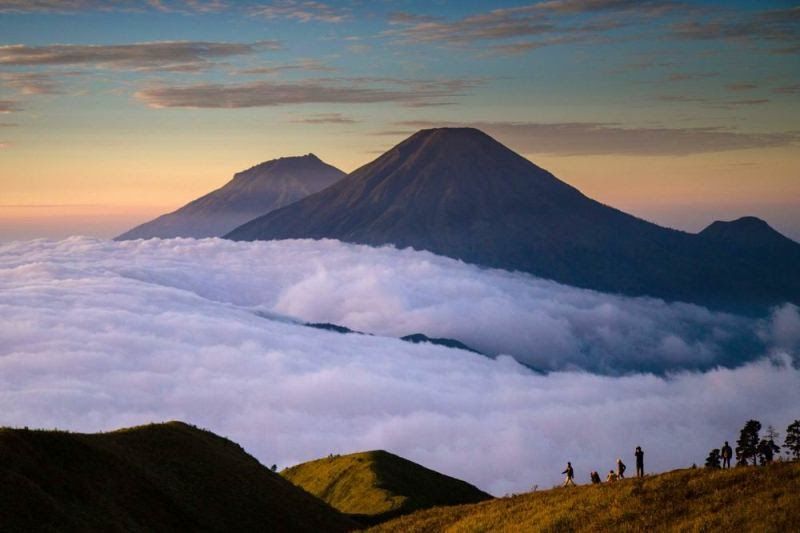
(595, 477)
(570, 475)
(639, 462)
(727, 453)
(620, 469)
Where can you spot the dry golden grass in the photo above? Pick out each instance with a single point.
(373, 486)
(762, 499)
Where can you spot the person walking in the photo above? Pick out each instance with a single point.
(570, 475)
(727, 453)
(620, 469)
(639, 462)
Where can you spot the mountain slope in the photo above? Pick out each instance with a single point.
(160, 477)
(251, 193)
(376, 485)
(743, 499)
(458, 192)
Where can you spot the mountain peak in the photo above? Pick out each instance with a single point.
(749, 231)
(748, 225)
(251, 193)
(458, 192)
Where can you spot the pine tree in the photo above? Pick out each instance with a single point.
(767, 450)
(792, 442)
(747, 445)
(713, 459)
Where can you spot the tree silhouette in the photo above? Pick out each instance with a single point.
(747, 445)
(767, 450)
(712, 461)
(792, 442)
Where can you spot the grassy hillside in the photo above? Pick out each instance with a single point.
(161, 477)
(764, 499)
(373, 486)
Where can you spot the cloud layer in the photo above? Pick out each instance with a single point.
(330, 91)
(166, 55)
(97, 335)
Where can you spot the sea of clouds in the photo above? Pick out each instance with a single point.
(97, 334)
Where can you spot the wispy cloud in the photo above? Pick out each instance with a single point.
(495, 24)
(306, 64)
(549, 23)
(717, 103)
(30, 83)
(690, 76)
(648, 7)
(75, 6)
(301, 10)
(780, 26)
(8, 106)
(587, 138)
(326, 118)
(331, 90)
(787, 89)
(165, 55)
(741, 86)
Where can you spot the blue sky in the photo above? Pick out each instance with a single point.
(693, 103)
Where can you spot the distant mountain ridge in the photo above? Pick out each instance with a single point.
(251, 193)
(458, 192)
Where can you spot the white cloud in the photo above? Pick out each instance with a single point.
(98, 334)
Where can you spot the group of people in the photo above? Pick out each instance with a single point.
(612, 475)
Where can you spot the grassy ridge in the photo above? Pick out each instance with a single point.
(161, 477)
(373, 486)
(764, 499)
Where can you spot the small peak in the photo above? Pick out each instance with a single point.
(747, 223)
(451, 132)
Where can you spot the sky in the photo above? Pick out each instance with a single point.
(114, 112)
(100, 334)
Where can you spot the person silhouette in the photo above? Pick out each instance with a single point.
(595, 477)
(620, 469)
(570, 475)
(611, 477)
(727, 453)
(639, 461)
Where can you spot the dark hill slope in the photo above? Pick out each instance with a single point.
(163, 477)
(458, 192)
(743, 499)
(374, 486)
(251, 193)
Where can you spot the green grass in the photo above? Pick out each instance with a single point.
(161, 477)
(763, 499)
(374, 486)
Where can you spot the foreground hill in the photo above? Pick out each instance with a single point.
(162, 477)
(458, 192)
(251, 193)
(764, 499)
(374, 486)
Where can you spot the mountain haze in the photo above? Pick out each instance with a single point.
(251, 193)
(460, 193)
